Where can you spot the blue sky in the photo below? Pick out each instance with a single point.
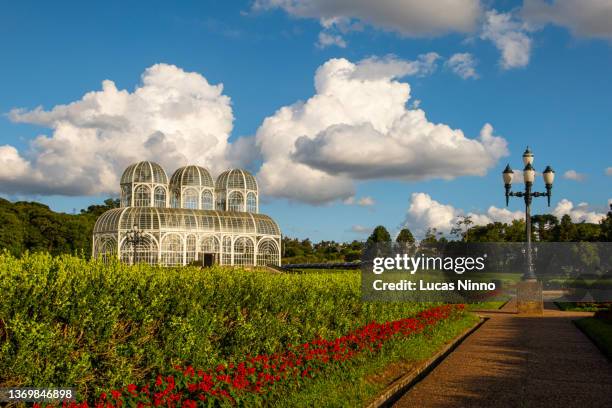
(559, 102)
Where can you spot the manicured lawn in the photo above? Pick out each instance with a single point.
(582, 306)
(599, 331)
(492, 305)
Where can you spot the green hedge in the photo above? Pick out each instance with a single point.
(66, 321)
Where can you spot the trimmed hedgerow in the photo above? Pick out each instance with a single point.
(69, 322)
(259, 380)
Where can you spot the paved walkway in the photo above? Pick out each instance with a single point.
(514, 361)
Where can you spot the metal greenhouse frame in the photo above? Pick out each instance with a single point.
(174, 224)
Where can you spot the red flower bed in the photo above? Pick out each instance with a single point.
(253, 378)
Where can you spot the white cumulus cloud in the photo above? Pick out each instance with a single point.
(463, 64)
(358, 126)
(574, 175)
(509, 36)
(173, 117)
(366, 201)
(578, 213)
(424, 212)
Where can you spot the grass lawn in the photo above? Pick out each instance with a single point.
(364, 380)
(582, 306)
(492, 305)
(599, 331)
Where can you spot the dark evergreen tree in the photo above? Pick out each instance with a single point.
(566, 231)
(379, 235)
(405, 236)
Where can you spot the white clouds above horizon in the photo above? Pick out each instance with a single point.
(463, 64)
(357, 122)
(357, 126)
(173, 117)
(509, 35)
(415, 19)
(365, 201)
(510, 31)
(424, 212)
(574, 175)
(578, 213)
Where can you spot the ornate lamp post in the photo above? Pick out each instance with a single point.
(134, 237)
(529, 177)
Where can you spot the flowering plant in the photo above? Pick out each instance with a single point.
(256, 377)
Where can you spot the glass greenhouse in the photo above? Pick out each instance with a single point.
(189, 219)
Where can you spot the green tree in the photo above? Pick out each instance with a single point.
(380, 234)
(12, 229)
(493, 232)
(432, 236)
(566, 231)
(606, 227)
(587, 232)
(515, 232)
(97, 210)
(405, 236)
(544, 225)
(462, 227)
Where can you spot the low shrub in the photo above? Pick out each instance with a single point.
(69, 322)
(258, 379)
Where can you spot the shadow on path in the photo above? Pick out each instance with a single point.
(516, 361)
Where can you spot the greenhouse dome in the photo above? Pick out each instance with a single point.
(192, 187)
(173, 224)
(236, 190)
(144, 172)
(144, 184)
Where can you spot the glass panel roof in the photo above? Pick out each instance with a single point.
(236, 179)
(144, 172)
(192, 176)
(185, 220)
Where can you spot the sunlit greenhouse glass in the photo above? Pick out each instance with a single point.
(191, 219)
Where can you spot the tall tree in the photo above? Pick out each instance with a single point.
(544, 225)
(405, 236)
(431, 236)
(566, 231)
(493, 232)
(380, 234)
(462, 227)
(606, 227)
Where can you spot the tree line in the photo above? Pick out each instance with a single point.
(34, 227)
(545, 228)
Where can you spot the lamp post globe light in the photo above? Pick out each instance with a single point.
(529, 178)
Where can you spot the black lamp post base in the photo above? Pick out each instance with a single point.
(529, 299)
